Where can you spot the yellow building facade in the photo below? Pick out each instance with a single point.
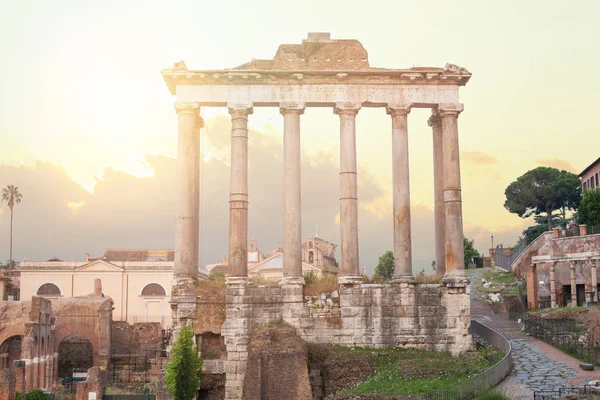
(140, 290)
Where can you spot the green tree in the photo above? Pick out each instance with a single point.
(385, 267)
(182, 375)
(589, 209)
(534, 231)
(543, 190)
(470, 251)
(11, 195)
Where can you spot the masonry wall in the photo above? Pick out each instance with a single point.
(399, 315)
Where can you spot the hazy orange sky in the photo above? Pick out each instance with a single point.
(80, 86)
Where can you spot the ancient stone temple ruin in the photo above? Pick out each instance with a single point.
(323, 72)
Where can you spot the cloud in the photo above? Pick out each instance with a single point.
(477, 158)
(126, 211)
(557, 163)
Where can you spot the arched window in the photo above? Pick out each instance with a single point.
(48, 289)
(310, 245)
(153, 289)
(310, 257)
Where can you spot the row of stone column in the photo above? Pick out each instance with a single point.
(572, 264)
(448, 204)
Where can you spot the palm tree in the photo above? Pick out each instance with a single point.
(11, 195)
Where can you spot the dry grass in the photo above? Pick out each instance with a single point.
(261, 280)
(422, 278)
(214, 281)
(316, 285)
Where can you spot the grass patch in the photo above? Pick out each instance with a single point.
(492, 395)
(409, 371)
(214, 281)
(315, 285)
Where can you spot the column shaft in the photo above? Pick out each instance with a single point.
(187, 181)
(573, 285)
(348, 193)
(401, 194)
(454, 247)
(238, 197)
(553, 285)
(594, 280)
(292, 221)
(438, 190)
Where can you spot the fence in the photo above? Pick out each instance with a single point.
(593, 230)
(566, 391)
(567, 335)
(505, 260)
(483, 381)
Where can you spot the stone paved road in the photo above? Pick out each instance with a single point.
(535, 370)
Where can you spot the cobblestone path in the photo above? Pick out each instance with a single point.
(535, 370)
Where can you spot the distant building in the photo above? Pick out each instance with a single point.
(318, 256)
(138, 281)
(590, 177)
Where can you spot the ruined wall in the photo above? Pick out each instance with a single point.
(27, 334)
(547, 245)
(89, 317)
(399, 315)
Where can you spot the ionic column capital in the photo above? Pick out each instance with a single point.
(449, 109)
(240, 110)
(346, 108)
(296, 108)
(398, 109)
(190, 108)
(434, 120)
(185, 107)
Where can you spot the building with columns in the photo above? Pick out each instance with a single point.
(321, 72)
(334, 74)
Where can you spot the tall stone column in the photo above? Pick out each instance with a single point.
(349, 273)
(292, 221)
(435, 123)
(553, 284)
(188, 154)
(573, 285)
(594, 265)
(401, 194)
(238, 197)
(454, 247)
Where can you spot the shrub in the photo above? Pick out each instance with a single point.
(316, 285)
(182, 376)
(36, 394)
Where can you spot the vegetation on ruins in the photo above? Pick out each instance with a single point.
(385, 267)
(182, 376)
(544, 190)
(36, 394)
(412, 371)
(315, 285)
(11, 195)
(589, 209)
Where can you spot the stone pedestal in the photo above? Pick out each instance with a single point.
(94, 383)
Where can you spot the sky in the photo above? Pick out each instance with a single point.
(88, 130)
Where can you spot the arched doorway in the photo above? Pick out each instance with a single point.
(75, 356)
(10, 351)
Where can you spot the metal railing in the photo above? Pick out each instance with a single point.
(504, 260)
(479, 383)
(566, 391)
